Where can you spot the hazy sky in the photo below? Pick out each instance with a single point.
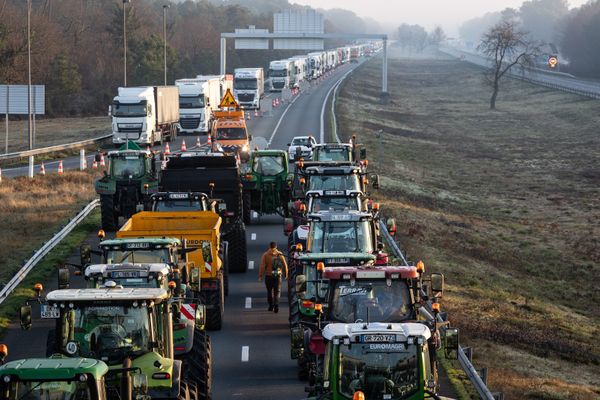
(429, 13)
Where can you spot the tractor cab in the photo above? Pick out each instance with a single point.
(342, 232)
(179, 201)
(338, 152)
(265, 183)
(136, 251)
(379, 360)
(129, 275)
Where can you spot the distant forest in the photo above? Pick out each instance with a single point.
(77, 45)
(574, 34)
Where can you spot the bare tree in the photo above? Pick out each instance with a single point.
(437, 37)
(506, 45)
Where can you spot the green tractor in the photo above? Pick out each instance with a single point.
(381, 361)
(266, 189)
(128, 329)
(131, 176)
(57, 378)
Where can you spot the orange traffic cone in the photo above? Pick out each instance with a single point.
(95, 164)
(183, 146)
(198, 141)
(248, 116)
(255, 113)
(167, 149)
(42, 169)
(60, 167)
(209, 142)
(102, 162)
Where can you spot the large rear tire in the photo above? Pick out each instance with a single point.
(237, 255)
(108, 215)
(184, 392)
(198, 363)
(216, 298)
(247, 208)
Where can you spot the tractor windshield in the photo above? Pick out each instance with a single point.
(333, 204)
(315, 288)
(268, 165)
(335, 154)
(231, 133)
(161, 256)
(334, 182)
(48, 390)
(341, 237)
(370, 301)
(107, 332)
(379, 370)
(127, 167)
(180, 205)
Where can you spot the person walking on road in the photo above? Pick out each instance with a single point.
(273, 267)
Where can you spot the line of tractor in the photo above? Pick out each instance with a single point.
(361, 324)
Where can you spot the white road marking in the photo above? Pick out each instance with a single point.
(250, 264)
(245, 353)
(248, 302)
(281, 119)
(253, 236)
(332, 88)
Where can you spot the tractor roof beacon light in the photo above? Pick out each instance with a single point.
(320, 266)
(38, 289)
(101, 234)
(358, 395)
(420, 267)
(3, 353)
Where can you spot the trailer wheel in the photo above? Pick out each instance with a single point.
(199, 362)
(216, 298)
(108, 215)
(238, 258)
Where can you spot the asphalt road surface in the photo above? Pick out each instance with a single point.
(251, 354)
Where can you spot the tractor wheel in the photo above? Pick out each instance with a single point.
(199, 366)
(237, 256)
(51, 343)
(184, 392)
(214, 316)
(193, 389)
(294, 314)
(110, 219)
(247, 208)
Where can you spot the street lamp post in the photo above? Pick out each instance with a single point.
(125, 44)
(165, 39)
(29, 121)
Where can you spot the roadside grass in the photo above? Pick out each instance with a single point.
(9, 310)
(52, 131)
(505, 203)
(32, 210)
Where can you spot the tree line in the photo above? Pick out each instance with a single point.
(77, 45)
(573, 34)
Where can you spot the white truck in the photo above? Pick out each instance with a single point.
(281, 75)
(197, 97)
(317, 63)
(145, 115)
(249, 87)
(301, 69)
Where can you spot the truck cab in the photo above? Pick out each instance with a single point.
(281, 73)
(230, 131)
(249, 87)
(196, 99)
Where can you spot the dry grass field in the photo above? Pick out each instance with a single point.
(32, 210)
(505, 203)
(52, 131)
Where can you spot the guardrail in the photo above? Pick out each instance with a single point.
(45, 249)
(553, 80)
(52, 149)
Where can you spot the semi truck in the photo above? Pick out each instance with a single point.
(145, 115)
(281, 75)
(249, 87)
(197, 97)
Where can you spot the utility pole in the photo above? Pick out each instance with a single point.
(165, 6)
(125, 44)
(29, 122)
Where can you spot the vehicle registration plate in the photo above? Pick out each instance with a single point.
(49, 312)
(378, 338)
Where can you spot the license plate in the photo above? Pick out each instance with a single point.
(339, 261)
(378, 338)
(49, 312)
(125, 274)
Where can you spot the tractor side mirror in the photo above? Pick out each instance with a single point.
(64, 278)
(194, 274)
(300, 283)
(85, 254)
(363, 154)
(391, 226)
(25, 317)
(451, 343)
(97, 157)
(437, 284)
(375, 180)
(200, 316)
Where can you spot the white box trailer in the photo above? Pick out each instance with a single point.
(145, 115)
(249, 87)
